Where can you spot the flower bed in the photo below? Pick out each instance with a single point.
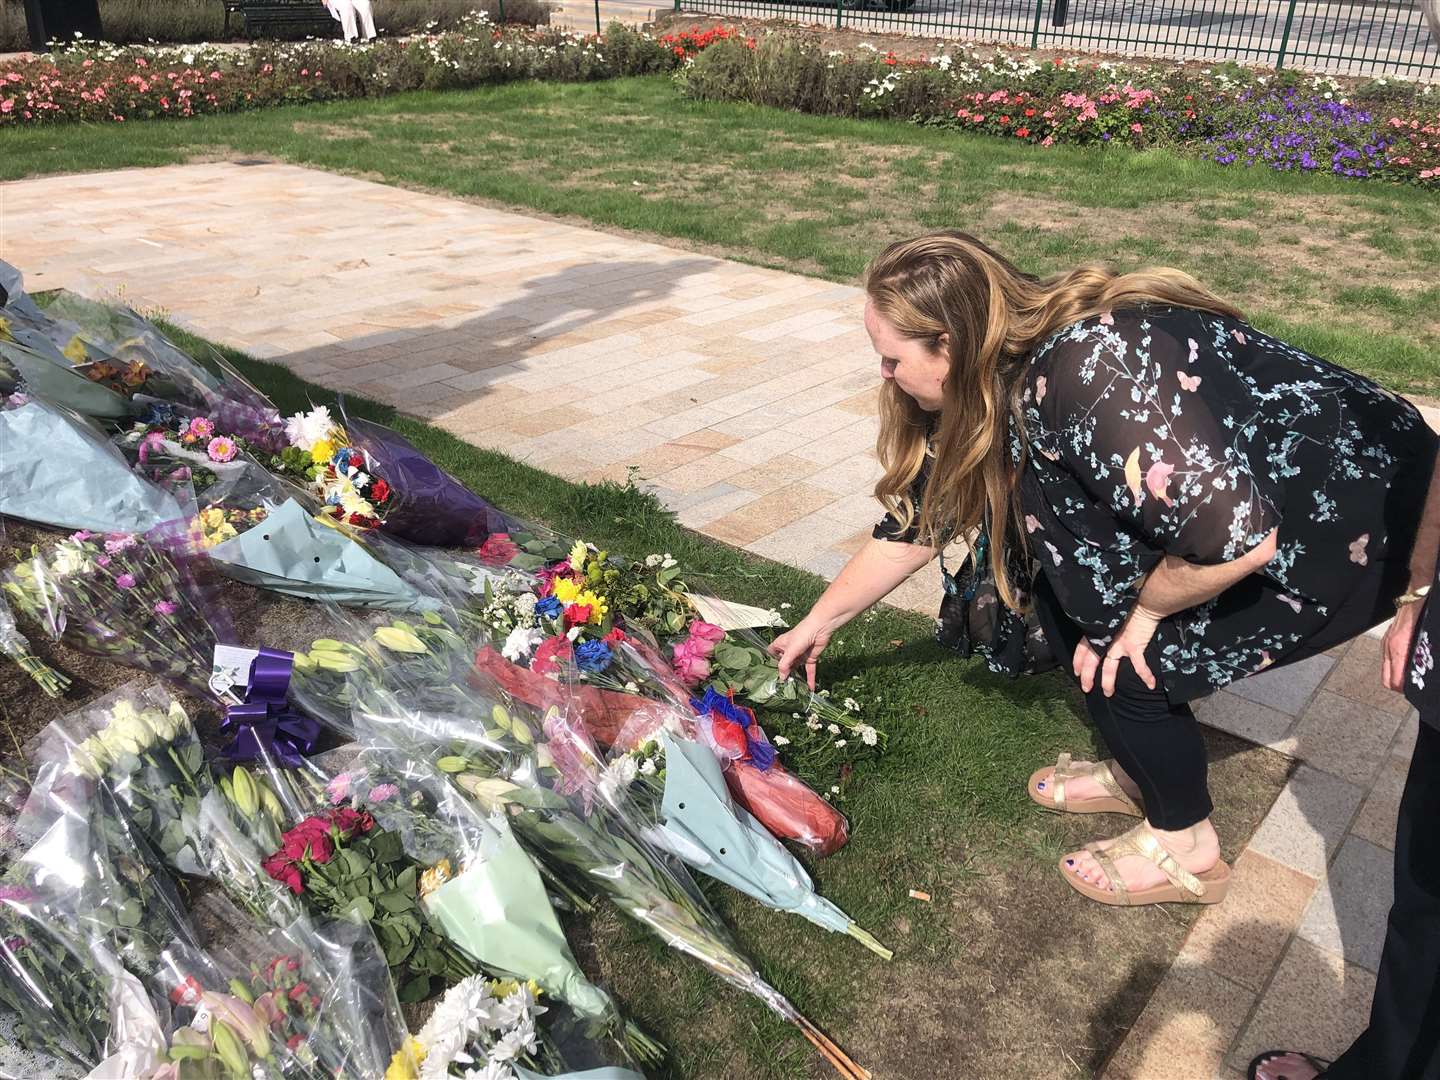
(111, 84)
(1384, 128)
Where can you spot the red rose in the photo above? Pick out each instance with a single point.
(379, 491)
(577, 614)
(283, 871)
(321, 850)
(312, 827)
(292, 846)
(615, 636)
(498, 549)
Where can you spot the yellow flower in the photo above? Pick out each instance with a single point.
(566, 590)
(436, 876)
(322, 451)
(578, 554)
(75, 351)
(598, 607)
(405, 1065)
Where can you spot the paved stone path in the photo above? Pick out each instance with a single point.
(747, 397)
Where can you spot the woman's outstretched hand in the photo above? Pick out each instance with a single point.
(1129, 644)
(803, 644)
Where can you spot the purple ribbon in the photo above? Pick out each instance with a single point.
(264, 725)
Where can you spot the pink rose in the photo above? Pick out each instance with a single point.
(704, 631)
(692, 666)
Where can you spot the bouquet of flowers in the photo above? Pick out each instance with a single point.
(119, 338)
(486, 1029)
(88, 915)
(546, 774)
(481, 890)
(47, 373)
(372, 477)
(101, 875)
(53, 979)
(570, 614)
(140, 742)
(340, 474)
(14, 645)
(122, 598)
(340, 862)
(677, 784)
(255, 530)
(170, 446)
(304, 1000)
(56, 469)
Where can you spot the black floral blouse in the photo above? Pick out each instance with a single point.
(1167, 430)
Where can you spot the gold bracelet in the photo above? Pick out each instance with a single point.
(1412, 597)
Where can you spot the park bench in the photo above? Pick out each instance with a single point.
(281, 18)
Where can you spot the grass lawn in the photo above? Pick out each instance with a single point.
(1005, 973)
(1345, 269)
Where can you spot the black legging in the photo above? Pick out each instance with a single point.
(1158, 744)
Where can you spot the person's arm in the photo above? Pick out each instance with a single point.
(871, 574)
(1399, 638)
(1173, 585)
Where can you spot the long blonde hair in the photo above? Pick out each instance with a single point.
(948, 282)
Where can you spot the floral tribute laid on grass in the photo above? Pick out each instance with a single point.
(1383, 128)
(498, 722)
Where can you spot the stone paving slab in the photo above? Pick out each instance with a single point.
(746, 397)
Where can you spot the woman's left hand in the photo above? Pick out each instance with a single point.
(1130, 643)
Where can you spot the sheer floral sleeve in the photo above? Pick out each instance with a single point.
(888, 527)
(1162, 431)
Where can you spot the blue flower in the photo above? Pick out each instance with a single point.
(549, 607)
(594, 656)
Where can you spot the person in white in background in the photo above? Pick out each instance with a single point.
(346, 10)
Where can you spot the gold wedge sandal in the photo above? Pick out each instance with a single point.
(1053, 796)
(1183, 887)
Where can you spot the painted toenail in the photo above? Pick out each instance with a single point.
(1041, 785)
(1069, 862)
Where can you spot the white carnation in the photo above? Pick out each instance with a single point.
(306, 429)
(520, 643)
